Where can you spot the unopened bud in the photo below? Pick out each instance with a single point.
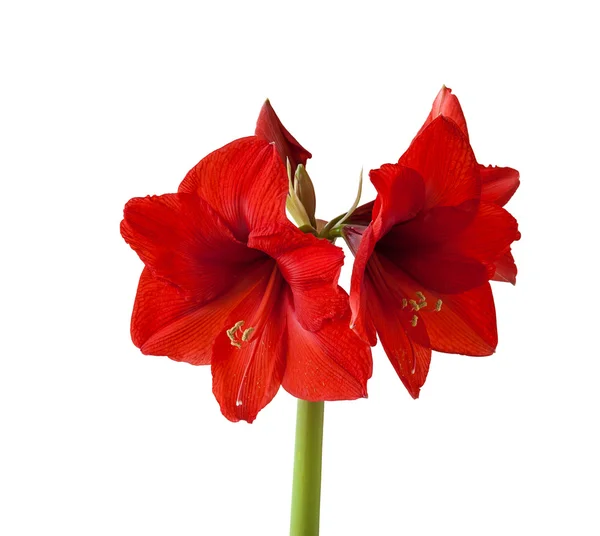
(294, 205)
(305, 191)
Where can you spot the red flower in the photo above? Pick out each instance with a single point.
(230, 282)
(427, 247)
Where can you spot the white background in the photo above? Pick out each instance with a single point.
(103, 101)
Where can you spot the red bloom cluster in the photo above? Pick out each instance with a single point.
(229, 281)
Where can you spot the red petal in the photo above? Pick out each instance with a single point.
(329, 364)
(434, 226)
(158, 305)
(270, 128)
(447, 105)
(419, 248)
(406, 345)
(498, 184)
(362, 322)
(401, 194)
(490, 234)
(506, 269)
(183, 241)
(362, 243)
(444, 272)
(166, 322)
(443, 157)
(436, 253)
(311, 267)
(353, 235)
(247, 377)
(245, 182)
(465, 324)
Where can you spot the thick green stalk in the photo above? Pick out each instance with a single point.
(306, 489)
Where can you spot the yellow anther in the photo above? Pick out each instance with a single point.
(404, 303)
(416, 306)
(231, 334)
(421, 296)
(414, 321)
(246, 334)
(236, 326)
(438, 306)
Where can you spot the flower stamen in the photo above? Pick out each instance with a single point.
(246, 334)
(231, 332)
(416, 306)
(414, 321)
(438, 306)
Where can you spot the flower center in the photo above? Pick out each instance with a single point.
(418, 304)
(236, 334)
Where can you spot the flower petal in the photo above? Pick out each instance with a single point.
(445, 272)
(166, 322)
(270, 128)
(400, 195)
(491, 232)
(430, 227)
(157, 306)
(362, 322)
(403, 338)
(506, 269)
(447, 105)
(311, 267)
(449, 250)
(362, 243)
(184, 242)
(245, 182)
(443, 157)
(329, 364)
(465, 323)
(498, 184)
(455, 323)
(248, 362)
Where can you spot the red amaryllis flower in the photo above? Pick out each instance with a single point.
(230, 282)
(426, 249)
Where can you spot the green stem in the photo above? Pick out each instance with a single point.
(330, 225)
(306, 489)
